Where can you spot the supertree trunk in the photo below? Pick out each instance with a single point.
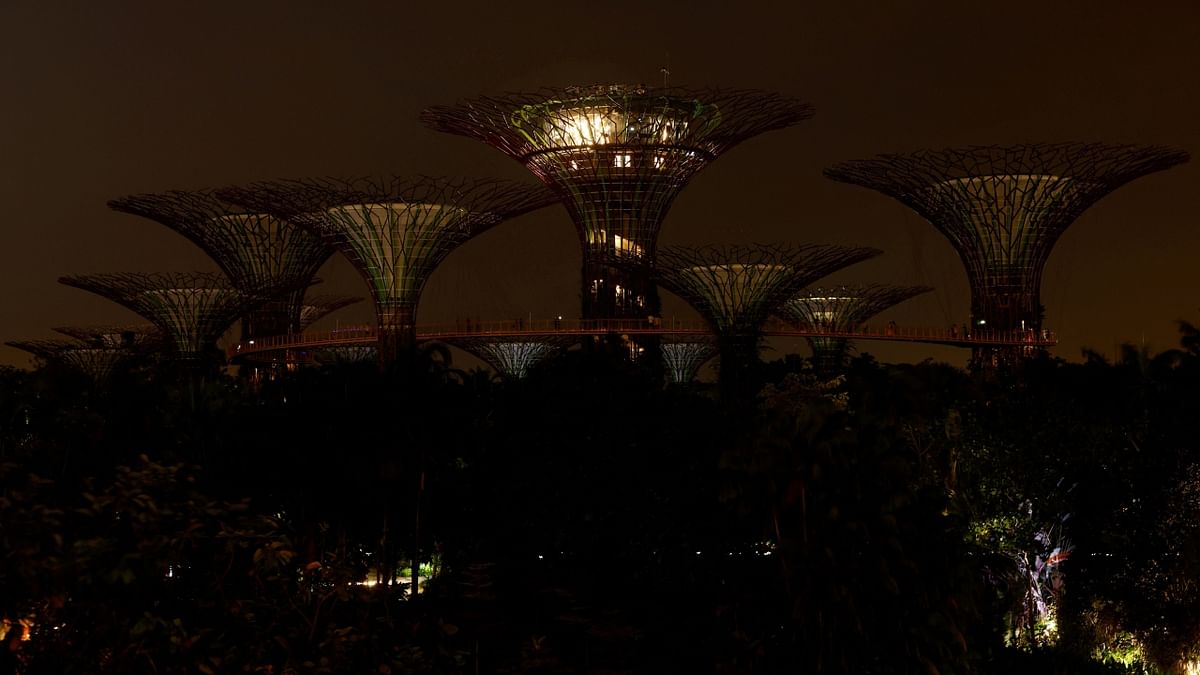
(397, 335)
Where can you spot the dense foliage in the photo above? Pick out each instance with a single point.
(895, 519)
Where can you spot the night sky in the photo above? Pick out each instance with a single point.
(103, 99)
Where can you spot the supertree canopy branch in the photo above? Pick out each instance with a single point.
(192, 309)
(97, 362)
(260, 253)
(346, 355)
(617, 156)
(682, 358)
(138, 337)
(1003, 208)
(510, 357)
(394, 231)
(318, 307)
(735, 288)
(841, 309)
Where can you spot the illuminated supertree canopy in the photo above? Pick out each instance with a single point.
(97, 362)
(736, 287)
(395, 231)
(318, 307)
(192, 308)
(260, 253)
(1003, 208)
(138, 337)
(841, 309)
(511, 357)
(683, 357)
(617, 156)
(346, 354)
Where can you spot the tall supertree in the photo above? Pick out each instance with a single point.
(1003, 209)
(192, 309)
(617, 156)
(395, 231)
(513, 357)
(735, 288)
(262, 255)
(682, 357)
(95, 361)
(840, 309)
(318, 307)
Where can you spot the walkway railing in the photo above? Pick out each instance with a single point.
(366, 334)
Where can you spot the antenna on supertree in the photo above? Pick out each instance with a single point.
(192, 309)
(617, 156)
(841, 309)
(319, 306)
(262, 255)
(683, 356)
(96, 362)
(735, 288)
(394, 231)
(1003, 209)
(513, 357)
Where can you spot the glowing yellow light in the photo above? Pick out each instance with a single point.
(590, 127)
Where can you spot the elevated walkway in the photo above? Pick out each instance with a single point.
(521, 328)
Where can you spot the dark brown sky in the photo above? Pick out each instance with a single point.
(102, 99)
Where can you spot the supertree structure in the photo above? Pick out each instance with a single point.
(683, 356)
(137, 337)
(96, 362)
(318, 307)
(1003, 209)
(262, 254)
(512, 357)
(346, 354)
(192, 309)
(617, 156)
(841, 309)
(735, 288)
(394, 231)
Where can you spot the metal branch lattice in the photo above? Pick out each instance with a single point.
(617, 156)
(261, 254)
(841, 309)
(682, 358)
(735, 288)
(137, 337)
(318, 307)
(396, 231)
(1003, 208)
(96, 362)
(346, 355)
(513, 358)
(192, 308)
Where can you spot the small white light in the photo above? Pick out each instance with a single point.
(540, 557)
